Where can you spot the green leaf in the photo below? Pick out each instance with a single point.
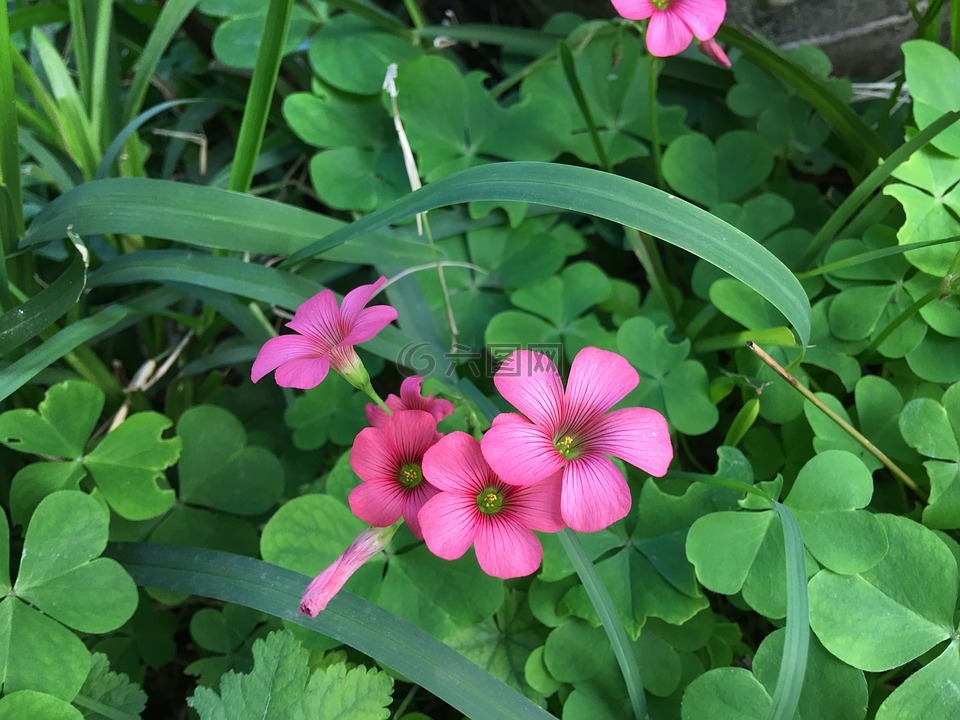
(912, 592)
(933, 688)
(331, 412)
(669, 382)
(106, 694)
(36, 314)
(710, 173)
(336, 693)
(128, 463)
(237, 478)
(723, 547)
(926, 428)
(328, 118)
(562, 299)
(501, 644)
(931, 72)
(61, 424)
(355, 179)
(33, 704)
(929, 217)
(352, 55)
(614, 198)
(61, 573)
(726, 694)
(236, 41)
(832, 690)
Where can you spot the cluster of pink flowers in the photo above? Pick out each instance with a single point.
(543, 469)
(674, 23)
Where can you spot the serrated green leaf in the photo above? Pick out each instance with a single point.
(893, 612)
(336, 693)
(106, 692)
(61, 424)
(237, 478)
(128, 463)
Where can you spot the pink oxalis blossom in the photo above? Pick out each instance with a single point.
(328, 583)
(475, 507)
(712, 50)
(325, 336)
(389, 461)
(674, 23)
(571, 431)
(410, 399)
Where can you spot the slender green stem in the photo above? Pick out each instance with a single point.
(597, 592)
(570, 71)
(654, 65)
(900, 320)
(262, 84)
(11, 194)
(415, 13)
(373, 395)
(847, 427)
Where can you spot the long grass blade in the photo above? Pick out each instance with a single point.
(796, 644)
(352, 620)
(614, 198)
(11, 226)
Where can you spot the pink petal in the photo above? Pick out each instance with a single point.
(410, 433)
(449, 523)
(667, 34)
(375, 414)
(411, 398)
(637, 435)
(413, 502)
(410, 395)
(455, 464)
(378, 502)
(373, 458)
(304, 373)
(595, 494)
(703, 17)
(712, 50)
(530, 382)
(319, 318)
(505, 549)
(598, 380)
(368, 323)
(357, 299)
(279, 350)
(634, 9)
(537, 506)
(323, 587)
(520, 452)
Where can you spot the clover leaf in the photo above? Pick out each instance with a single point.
(913, 588)
(669, 382)
(933, 429)
(236, 478)
(126, 464)
(932, 73)
(554, 313)
(30, 703)
(61, 579)
(332, 411)
(933, 687)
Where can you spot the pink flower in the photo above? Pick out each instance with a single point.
(388, 459)
(475, 507)
(571, 431)
(712, 50)
(326, 338)
(410, 399)
(328, 583)
(673, 23)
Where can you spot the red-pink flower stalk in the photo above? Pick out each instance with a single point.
(674, 23)
(324, 586)
(571, 431)
(475, 507)
(389, 461)
(325, 338)
(410, 399)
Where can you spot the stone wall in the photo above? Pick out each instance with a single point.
(862, 37)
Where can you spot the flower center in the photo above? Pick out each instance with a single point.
(661, 4)
(411, 475)
(568, 448)
(490, 500)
